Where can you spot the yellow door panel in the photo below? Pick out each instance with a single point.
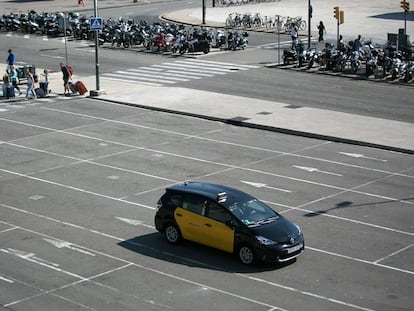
(191, 224)
(218, 235)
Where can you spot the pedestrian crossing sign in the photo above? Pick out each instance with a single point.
(95, 23)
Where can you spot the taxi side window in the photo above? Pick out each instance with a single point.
(217, 212)
(195, 204)
(173, 200)
(176, 200)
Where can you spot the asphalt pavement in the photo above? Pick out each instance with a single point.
(269, 115)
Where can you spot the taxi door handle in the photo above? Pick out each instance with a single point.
(207, 225)
(179, 215)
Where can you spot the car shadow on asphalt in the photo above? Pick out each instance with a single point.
(192, 255)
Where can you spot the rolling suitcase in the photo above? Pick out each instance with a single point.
(80, 87)
(40, 92)
(72, 87)
(44, 86)
(10, 91)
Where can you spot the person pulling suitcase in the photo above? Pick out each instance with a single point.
(66, 77)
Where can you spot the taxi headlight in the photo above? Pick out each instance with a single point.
(265, 241)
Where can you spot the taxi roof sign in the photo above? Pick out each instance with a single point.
(95, 23)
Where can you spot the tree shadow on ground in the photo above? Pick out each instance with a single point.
(395, 16)
(347, 204)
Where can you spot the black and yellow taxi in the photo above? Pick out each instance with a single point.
(227, 219)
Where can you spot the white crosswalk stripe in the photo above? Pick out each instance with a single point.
(174, 72)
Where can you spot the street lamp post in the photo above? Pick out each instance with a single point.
(309, 22)
(66, 44)
(95, 8)
(204, 12)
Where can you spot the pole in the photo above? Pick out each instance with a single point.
(337, 33)
(66, 46)
(309, 22)
(405, 22)
(278, 39)
(204, 12)
(95, 8)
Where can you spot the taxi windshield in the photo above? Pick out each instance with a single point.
(253, 212)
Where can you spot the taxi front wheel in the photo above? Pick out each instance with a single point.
(172, 234)
(246, 255)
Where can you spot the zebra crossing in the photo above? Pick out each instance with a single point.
(169, 73)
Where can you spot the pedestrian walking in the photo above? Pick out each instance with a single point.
(45, 83)
(30, 84)
(66, 77)
(6, 85)
(294, 35)
(321, 31)
(14, 79)
(10, 60)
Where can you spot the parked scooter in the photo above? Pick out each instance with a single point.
(289, 56)
(409, 71)
(355, 61)
(220, 39)
(236, 40)
(314, 56)
(195, 45)
(397, 67)
(372, 62)
(197, 42)
(28, 25)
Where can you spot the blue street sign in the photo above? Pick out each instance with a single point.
(96, 23)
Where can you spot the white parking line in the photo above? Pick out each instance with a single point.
(341, 189)
(336, 301)
(394, 253)
(77, 189)
(128, 263)
(9, 229)
(6, 279)
(279, 153)
(374, 263)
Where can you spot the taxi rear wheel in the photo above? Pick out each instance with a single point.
(246, 254)
(172, 233)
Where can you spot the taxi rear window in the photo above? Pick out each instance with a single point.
(172, 200)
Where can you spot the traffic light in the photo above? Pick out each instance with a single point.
(336, 11)
(341, 17)
(405, 4)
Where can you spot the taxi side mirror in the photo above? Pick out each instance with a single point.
(231, 224)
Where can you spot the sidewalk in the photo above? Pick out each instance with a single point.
(372, 19)
(360, 130)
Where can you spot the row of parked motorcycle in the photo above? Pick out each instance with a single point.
(161, 37)
(386, 61)
(164, 37)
